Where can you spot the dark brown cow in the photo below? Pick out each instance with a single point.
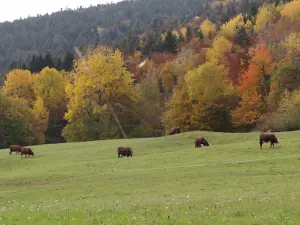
(26, 151)
(265, 138)
(200, 141)
(15, 148)
(175, 131)
(124, 151)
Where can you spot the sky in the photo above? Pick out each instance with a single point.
(14, 9)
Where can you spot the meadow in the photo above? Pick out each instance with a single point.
(168, 181)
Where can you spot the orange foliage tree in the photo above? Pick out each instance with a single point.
(254, 87)
(257, 76)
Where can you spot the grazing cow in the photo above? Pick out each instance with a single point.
(175, 131)
(124, 151)
(200, 141)
(26, 151)
(265, 138)
(14, 148)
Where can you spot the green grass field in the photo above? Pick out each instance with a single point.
(168, 181)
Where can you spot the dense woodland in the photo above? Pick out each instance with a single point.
(200, 65)
(123, 25)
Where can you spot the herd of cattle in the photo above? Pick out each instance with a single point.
(127, 151)
(201, 141)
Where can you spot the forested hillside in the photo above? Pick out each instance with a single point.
(219, 66)
(123, 25)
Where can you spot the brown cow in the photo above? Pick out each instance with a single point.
(200, 141)
(265, 138)
(26, 151)
(15, 148)
(175, 131)
(124, 151)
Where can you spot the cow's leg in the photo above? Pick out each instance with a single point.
(10, 152)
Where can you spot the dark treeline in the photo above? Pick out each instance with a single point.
(39, 62)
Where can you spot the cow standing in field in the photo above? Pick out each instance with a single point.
(124, 151)
(200, 141)
(175, 131)
(265, 138)
(26, 151)
(14, 148)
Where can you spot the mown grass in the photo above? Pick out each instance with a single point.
(85, 183)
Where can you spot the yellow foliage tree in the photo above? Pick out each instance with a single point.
(229, 29)
(248, 25)
(35, 121)
(87, 108)
(19, 83)
(178, 109)
(291, 10)
(167, 77)
(266, 14)
(163, 36)
(221, 45)
(40, 122)
(208, 82)
(183, 32)
(175, 33)
(291, 46)
(196, 102)
(50, 86)
(208, 29)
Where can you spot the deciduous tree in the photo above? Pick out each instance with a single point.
(266, 14)
(88, 113)
(19, 83)
(208, 28)
(291, 10)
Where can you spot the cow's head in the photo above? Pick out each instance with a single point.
(31, 152)
(278, 143)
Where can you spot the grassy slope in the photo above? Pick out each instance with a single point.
(35, 190)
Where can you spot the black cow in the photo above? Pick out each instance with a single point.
(124, 151)
(200, 141)
(265, 138)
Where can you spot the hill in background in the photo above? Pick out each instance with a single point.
(122, 25)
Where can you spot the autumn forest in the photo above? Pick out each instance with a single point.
(236, 72)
